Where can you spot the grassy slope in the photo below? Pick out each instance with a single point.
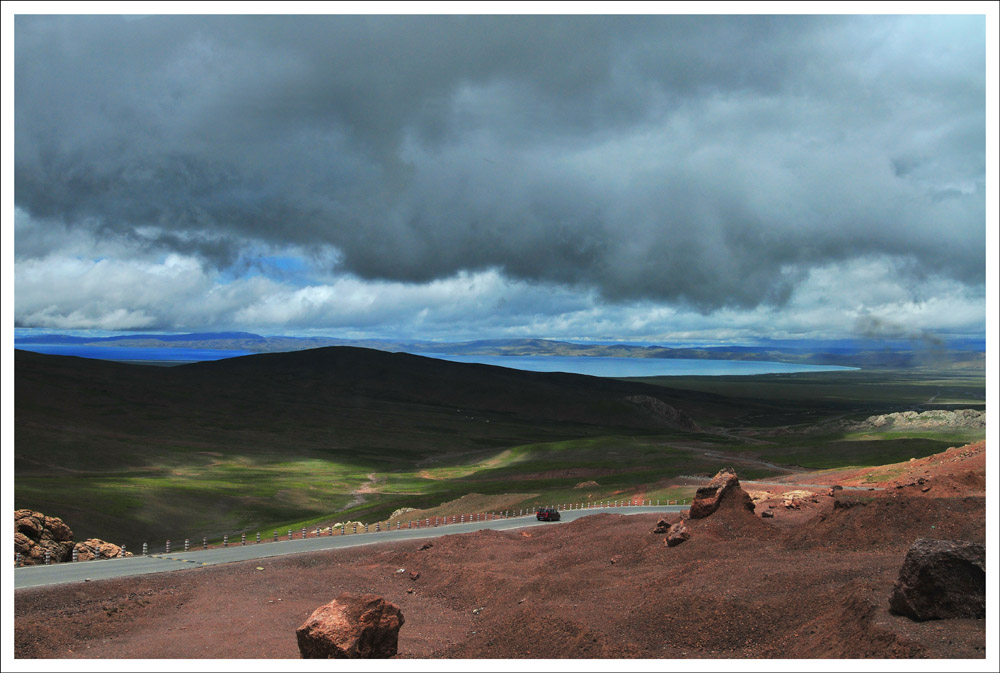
(124, 451)
(128, 452)
(771, 403)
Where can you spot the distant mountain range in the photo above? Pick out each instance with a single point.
(870, 356)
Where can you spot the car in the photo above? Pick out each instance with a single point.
(548, 514)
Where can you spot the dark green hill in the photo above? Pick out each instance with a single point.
(342, 397)
(111, 446)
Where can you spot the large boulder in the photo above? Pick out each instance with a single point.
(35, 533)
(351, 627)
(723, 490)
(941, 579)
(95, 548)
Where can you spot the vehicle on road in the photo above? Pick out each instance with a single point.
(548, 514)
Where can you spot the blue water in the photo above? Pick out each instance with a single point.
(621, 367)
(592, 366)
(134, 354)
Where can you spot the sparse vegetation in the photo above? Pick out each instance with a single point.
(134, 453)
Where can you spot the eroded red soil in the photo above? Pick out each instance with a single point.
(814, 581)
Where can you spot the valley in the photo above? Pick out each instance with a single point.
(138, 454)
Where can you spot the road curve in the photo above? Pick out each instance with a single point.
(82, 571)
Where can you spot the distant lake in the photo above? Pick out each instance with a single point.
(592, 366)
(134, 354)
(623, 367)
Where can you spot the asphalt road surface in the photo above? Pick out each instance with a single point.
(82, 571)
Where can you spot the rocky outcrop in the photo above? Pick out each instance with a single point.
(93, 548)
(661, 410)
(35, 533)
(723, 491)
(937, 418)
(941, 579)
(401, 511)
(351, 627)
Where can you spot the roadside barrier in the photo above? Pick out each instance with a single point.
(426, 522)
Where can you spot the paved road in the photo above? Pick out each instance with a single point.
(63, 573)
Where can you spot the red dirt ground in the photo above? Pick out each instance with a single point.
(813, 582)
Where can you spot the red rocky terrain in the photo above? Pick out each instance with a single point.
(813, 581)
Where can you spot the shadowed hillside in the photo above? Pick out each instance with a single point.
(329, 396)
(132, 453)
(117, 448)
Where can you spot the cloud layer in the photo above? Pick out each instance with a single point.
(695, 165)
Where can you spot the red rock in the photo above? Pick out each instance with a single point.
(59, 531)
(662, 526)
(95, 548)
(941, 579)
(35, 533)
(723, 490)
(414, 576)
(351, 627)
(28, 523)
(678, 534)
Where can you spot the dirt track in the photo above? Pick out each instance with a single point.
(812, 582)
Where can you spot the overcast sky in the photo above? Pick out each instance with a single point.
(658, 177)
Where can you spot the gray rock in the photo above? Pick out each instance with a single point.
(941, 579)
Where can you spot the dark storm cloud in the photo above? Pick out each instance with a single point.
(708, 160)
